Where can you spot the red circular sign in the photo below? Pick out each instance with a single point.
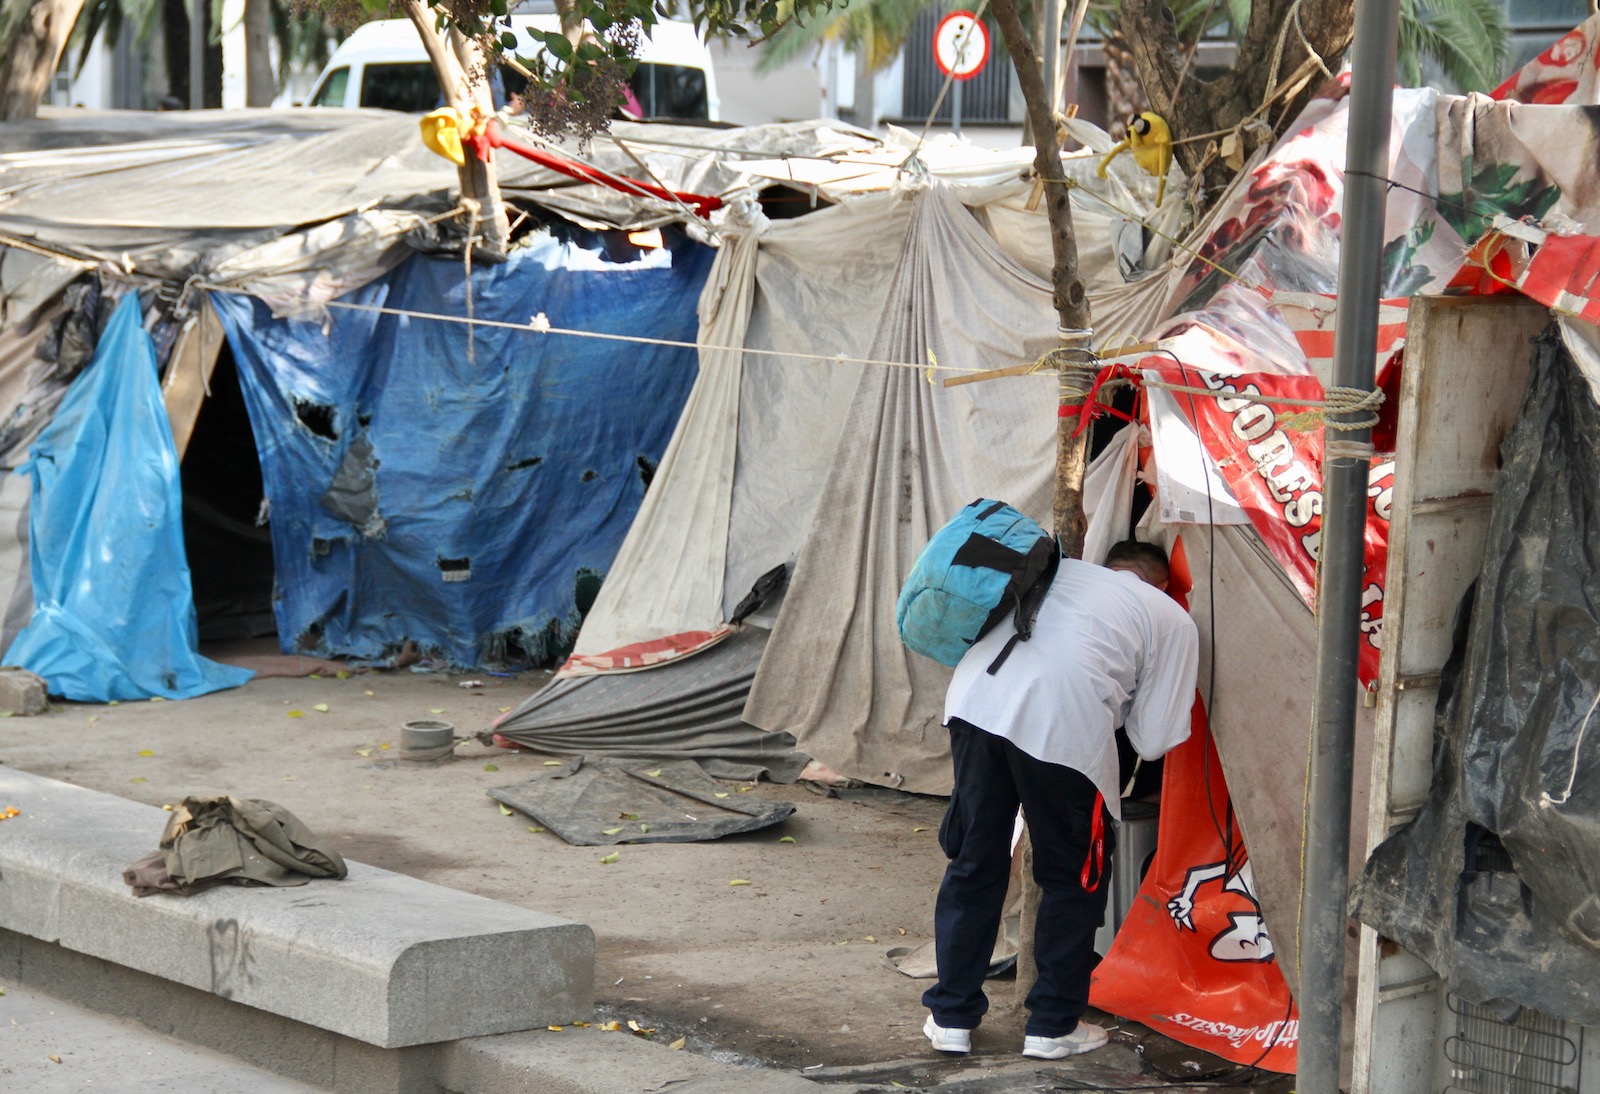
(960, 45)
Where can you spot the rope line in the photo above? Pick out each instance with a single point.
(1077, 378)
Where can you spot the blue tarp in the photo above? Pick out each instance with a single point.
(468, 498)
(113, 613)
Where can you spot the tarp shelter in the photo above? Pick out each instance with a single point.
(458, 486)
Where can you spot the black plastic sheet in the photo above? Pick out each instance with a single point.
(1496, 883)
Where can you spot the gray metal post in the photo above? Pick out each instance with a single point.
(1324, 904)
(1055, 12)
(955, 106)
(197, 54)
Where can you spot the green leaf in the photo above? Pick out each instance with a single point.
(508, 40)
(505, 809)
(786, 839)
(610, 831)
(607, 860)
(491, 767)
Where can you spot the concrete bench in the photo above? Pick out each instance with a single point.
(379, 957)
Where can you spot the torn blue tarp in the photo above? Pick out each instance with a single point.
(468, 494)
(113, 614)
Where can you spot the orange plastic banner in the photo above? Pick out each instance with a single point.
(1193, 959)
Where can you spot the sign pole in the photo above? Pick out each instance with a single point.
(955, 106)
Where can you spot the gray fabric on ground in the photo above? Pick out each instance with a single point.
(597, 803)
(688, 709)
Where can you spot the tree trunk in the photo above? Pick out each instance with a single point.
(1124, 96)
(466, 90)
(260, 84)
(38, 35)
(1072, 316)
(1270, 82)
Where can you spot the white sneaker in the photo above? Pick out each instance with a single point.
(1085, 1038)
(947, 1040)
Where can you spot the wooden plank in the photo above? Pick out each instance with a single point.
(1466, 366)
(188, 379)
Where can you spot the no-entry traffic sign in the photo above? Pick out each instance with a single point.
(960, 45)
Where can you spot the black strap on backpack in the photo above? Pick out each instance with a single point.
(1031, 575)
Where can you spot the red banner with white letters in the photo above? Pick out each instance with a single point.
(1272, 463)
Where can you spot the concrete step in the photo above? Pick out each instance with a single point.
(378, 957)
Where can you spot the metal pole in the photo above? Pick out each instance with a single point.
(1055, 12)
(955, 106)
(1324, 912)
(197, 54)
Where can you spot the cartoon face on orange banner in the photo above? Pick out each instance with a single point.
(1194, 959)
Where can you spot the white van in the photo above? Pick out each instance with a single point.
(383, 64)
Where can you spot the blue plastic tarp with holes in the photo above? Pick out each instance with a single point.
(113, 614)
(464, 491)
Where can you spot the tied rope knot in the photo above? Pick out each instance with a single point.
(1358, 405)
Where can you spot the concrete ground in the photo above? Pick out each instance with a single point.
(51, 1047)
(788, 971)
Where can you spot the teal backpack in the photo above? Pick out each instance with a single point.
(987, 562)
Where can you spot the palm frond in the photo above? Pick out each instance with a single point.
(1467, 39)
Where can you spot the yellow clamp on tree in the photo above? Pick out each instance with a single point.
(1151, 143)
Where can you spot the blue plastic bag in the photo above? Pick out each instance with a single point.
(113, 614)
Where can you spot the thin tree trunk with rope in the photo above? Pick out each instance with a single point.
(1072, 318)
(458, 65)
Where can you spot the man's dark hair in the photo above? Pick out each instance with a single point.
(1133, 552)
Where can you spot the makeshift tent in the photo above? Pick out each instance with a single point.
(787, 334)
(426, 479)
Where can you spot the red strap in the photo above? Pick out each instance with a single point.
(1097, 847)
(1091, 408)
(493, 138)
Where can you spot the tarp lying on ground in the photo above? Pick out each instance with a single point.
(597, 803)
(1495, 882)
(113, 616)
(464, 491)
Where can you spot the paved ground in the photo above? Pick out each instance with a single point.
(788, 970)
(51, 1047)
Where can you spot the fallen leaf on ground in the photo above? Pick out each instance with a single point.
(581, 1025)
(610, 831)
(738, 881)
(919, 829)
(644, 828)
(138, 779)
(869, 938)
(656, 774)
(506, 809)
(363, 752)
(902, 930)
(554, 763)
(491, 767)
(436, 710)
(536, 828)
(724, 794)
(344, 674)
(785, 839)
(628, 816)
(384, 747)
(113, 702)
(679, 1043)
(611, 1027)
(369, 693)
(147, 752)
(643, 1031)
(297, 714)
(554, 1029)
(504, 710)
(291, 779)
(157, 699)
(607, 860)
(322, 707)
(93, 718)
(746, 789)
(53, 1058)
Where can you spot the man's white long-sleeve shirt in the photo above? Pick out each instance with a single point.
(1108, 651)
